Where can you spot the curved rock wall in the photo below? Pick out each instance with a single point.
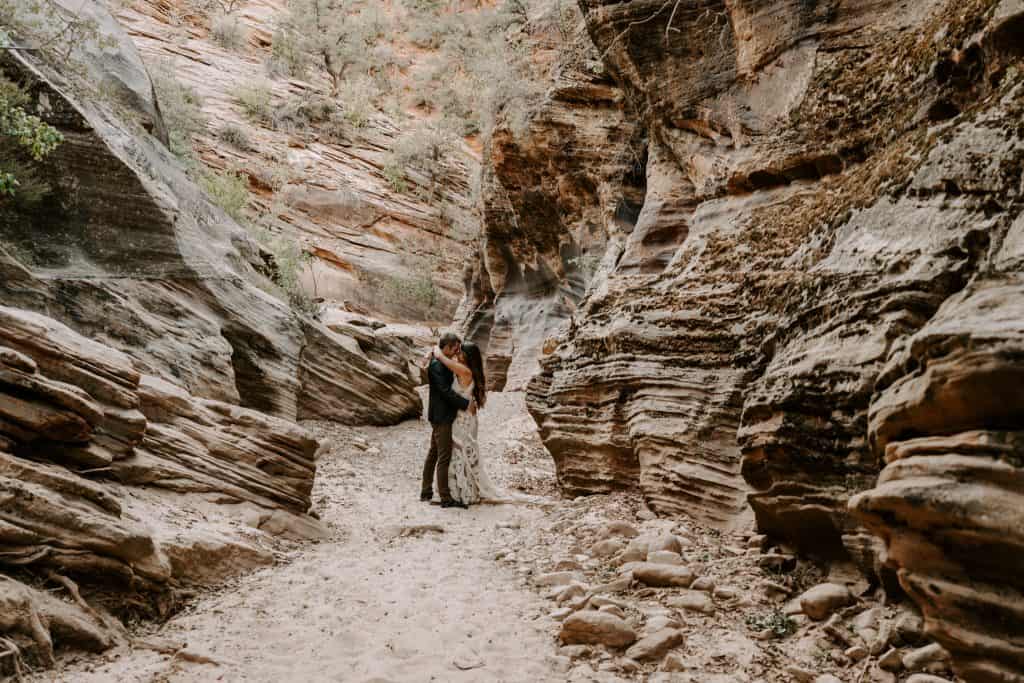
(771, 269)
(148, 382)
(825, 267)
(552, 200)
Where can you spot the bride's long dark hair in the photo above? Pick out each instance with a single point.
(475, 361)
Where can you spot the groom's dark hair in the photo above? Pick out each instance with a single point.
(449, 338)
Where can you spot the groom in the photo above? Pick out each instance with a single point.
(445, 404)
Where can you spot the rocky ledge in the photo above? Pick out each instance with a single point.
(150, 379)
(824, 273)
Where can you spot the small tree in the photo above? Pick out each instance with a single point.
(339, 34)
(22, 131)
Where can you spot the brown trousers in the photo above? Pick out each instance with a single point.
(439, 457)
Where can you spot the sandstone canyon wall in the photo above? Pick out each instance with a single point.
(822, 280)
(334, 195)
(551, 198)
(149, 380)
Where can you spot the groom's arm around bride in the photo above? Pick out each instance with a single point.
(442, 409)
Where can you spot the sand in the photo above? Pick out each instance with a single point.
(369, 603)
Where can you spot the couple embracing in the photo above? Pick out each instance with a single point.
(458, 390)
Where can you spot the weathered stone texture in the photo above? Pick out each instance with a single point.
(826, 265)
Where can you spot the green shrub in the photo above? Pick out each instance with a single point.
(275, 176)
(229, 32)
(235, 136)
(24, 139)
(418, 292)
(229, 191)
(291, 260)
(255, 100)
(287, 55)
(357, 97)
(180, 107)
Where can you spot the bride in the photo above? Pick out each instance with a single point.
(467, 477)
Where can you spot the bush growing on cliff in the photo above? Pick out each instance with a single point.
(181, 108)
(287, 56)
(24, 138)
(338, 35)
(255, 100)
(228, 32)
(235, 136)
(229, 191)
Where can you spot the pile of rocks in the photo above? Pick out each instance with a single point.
(659, 599)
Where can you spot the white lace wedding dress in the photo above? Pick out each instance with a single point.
(467, 478)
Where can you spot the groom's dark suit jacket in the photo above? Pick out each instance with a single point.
(445, 402)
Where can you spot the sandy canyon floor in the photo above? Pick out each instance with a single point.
(406, 591)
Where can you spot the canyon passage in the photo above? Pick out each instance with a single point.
(748, 280)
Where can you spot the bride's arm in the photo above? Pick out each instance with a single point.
(464, 373)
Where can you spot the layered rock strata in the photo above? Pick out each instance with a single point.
(824, 267)
(369, 242)
(149, 382)
(550, 197)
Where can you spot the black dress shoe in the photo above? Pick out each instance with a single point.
(453, 504)
(425, 497)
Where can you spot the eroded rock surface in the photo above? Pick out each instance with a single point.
(149, 382)
(825, 265)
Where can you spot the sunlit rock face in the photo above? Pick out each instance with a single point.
(823, 276)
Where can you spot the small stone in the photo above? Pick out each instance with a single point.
(663, 575)
(827, 678)
(856, 653)
(596, 628)
(800, 675)
(655, 645)
(819, 602)
(673, 662)
(656, 623)
(909, 628)
(600, 601)
(664, 557)
(571, 592)
(915, 660)
(612, 609)
(618, 528)
(561, 613)
(891, 660)
(757, 541)
(927, 678)
(667, 542)
(703, 583)
(558, 578)
(619, 585)
(645, 513)
(607, 548)
(693, 601)
(726, 593)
